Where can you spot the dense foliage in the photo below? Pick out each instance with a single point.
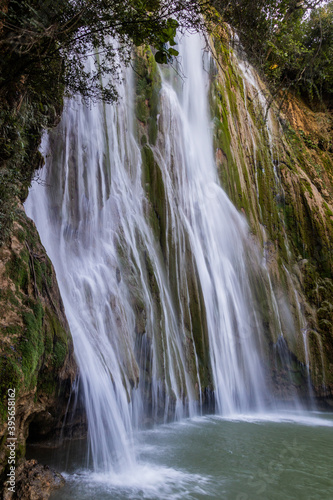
(303, 57)
(291, 41)
(35, 32)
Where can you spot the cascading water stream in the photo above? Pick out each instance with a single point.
(77, 216)
(218, 235)
(92, 218)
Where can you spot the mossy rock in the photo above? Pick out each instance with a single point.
(147, 88)
(36, 351)
(153, 183)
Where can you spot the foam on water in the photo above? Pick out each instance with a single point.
(301, 418)
(142, 481)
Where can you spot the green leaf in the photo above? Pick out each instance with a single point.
(173, 52)
(161, 57)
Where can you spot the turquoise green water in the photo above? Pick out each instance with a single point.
(279, 457)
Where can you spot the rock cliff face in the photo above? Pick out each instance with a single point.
(277, 167)
(36, 351)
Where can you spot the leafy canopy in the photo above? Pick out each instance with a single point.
(35, 32)
(291, 41)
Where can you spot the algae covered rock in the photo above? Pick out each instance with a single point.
(36, 350)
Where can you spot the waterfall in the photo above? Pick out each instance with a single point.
(155, 283)
(218, 235)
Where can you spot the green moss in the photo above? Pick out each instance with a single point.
(21, 235)
(148, 84)
(55, 353)
(141, 109)
(58, 332)
(17, 270)
(319, 373)
(328, 211)
(143, 140)
(10, 378)
(222, 48)
(7, 296)
(199, 327)
(307, 186)
(38, 273)
(152, 130)
(32, 345)
(154, 186)
(308, 140)
(60, 353)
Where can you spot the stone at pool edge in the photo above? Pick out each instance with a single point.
(34, 482)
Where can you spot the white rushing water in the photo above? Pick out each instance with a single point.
(128, 298)
(218, 235)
